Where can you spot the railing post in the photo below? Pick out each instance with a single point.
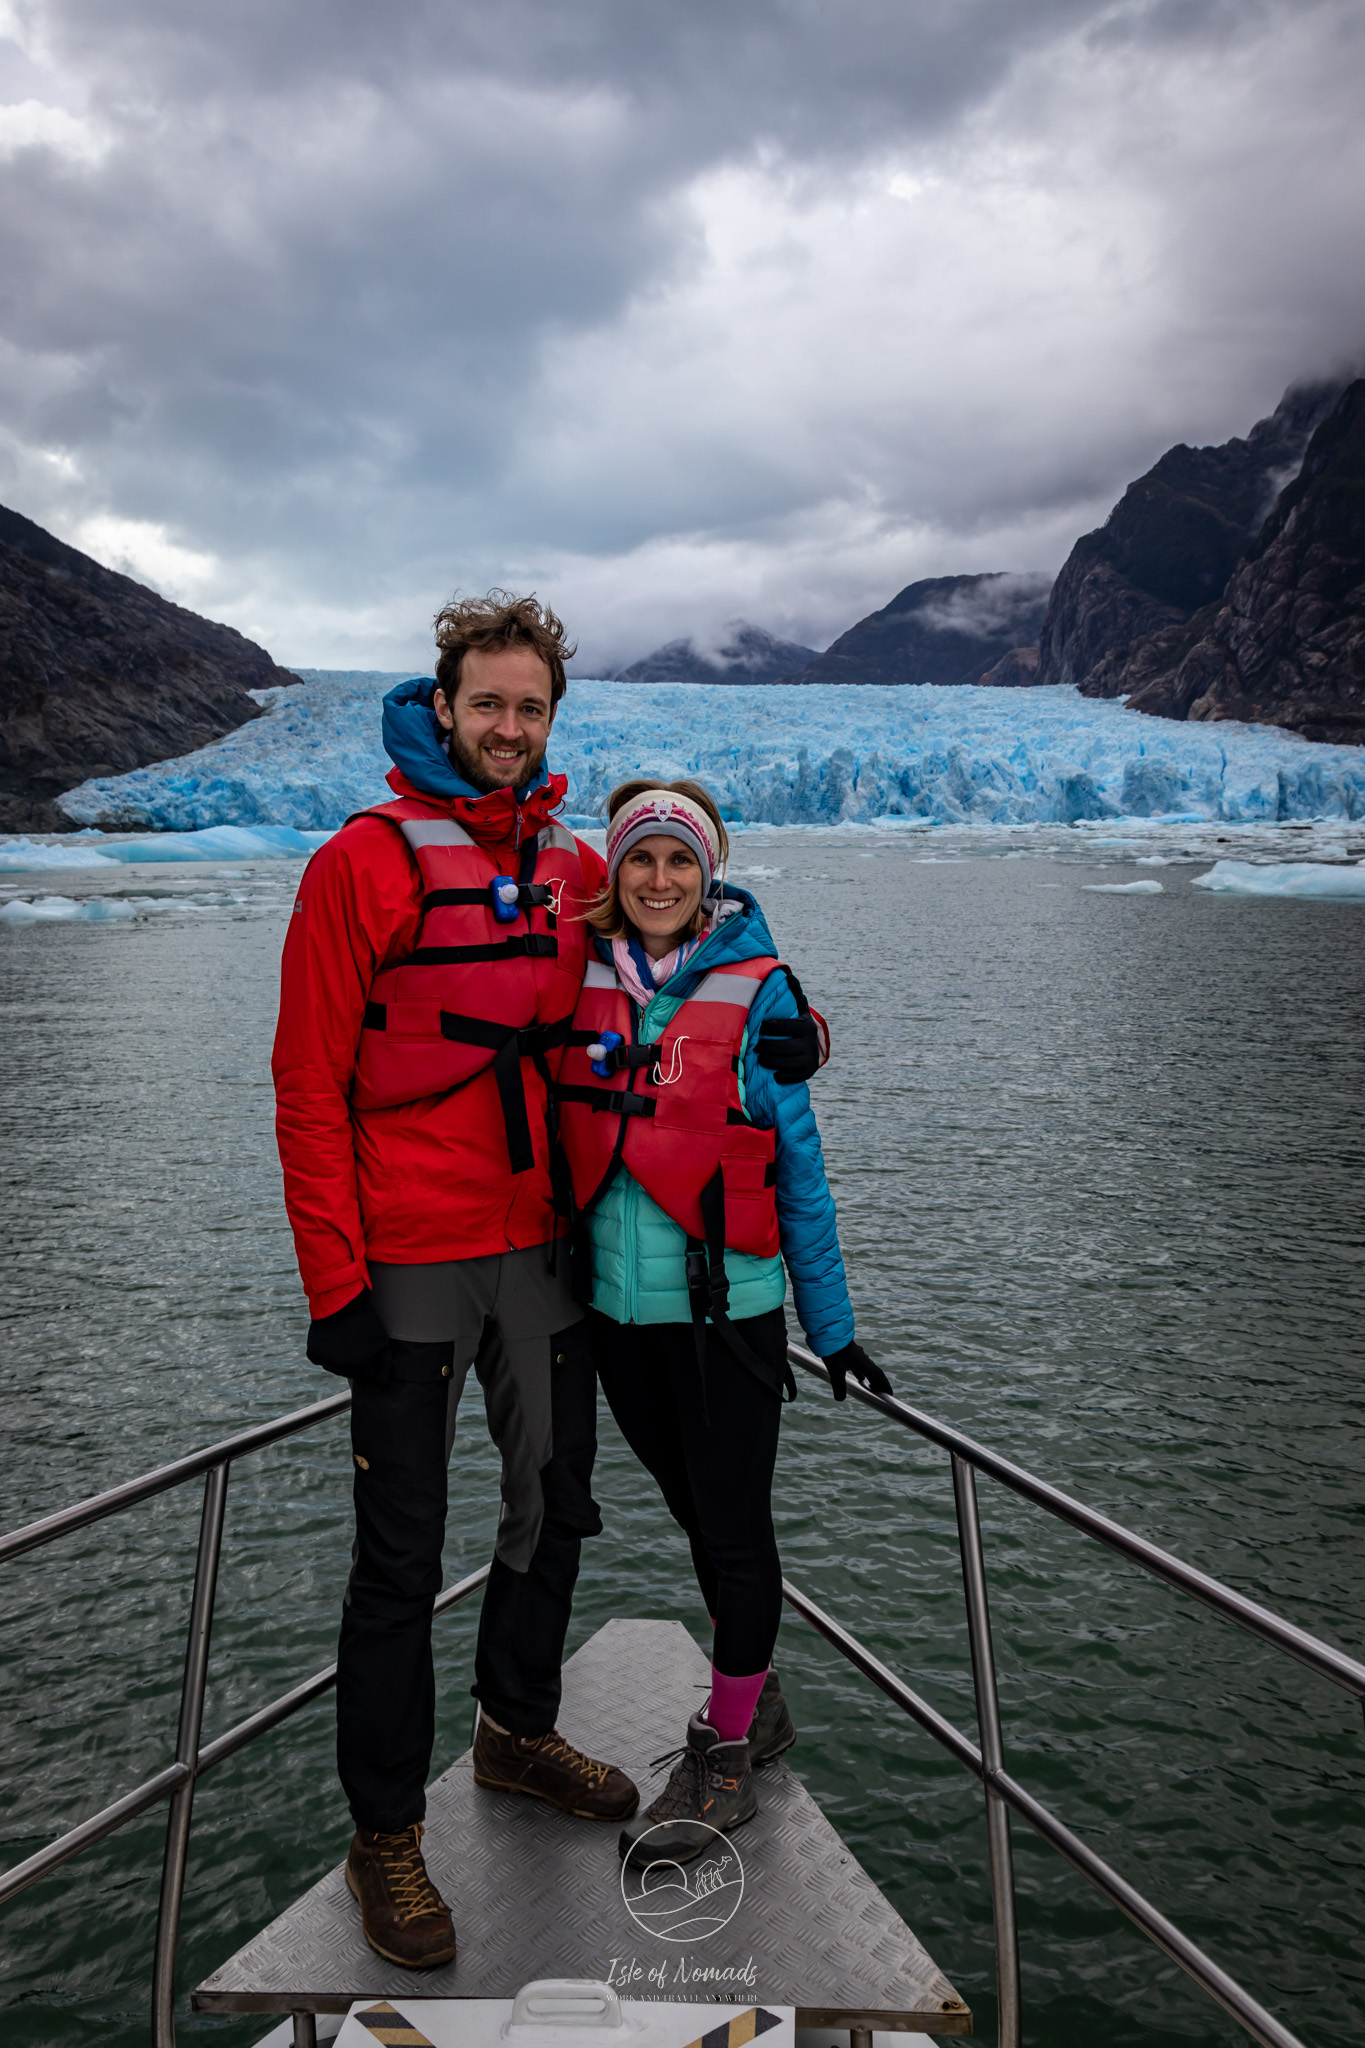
(187, 1752)
(992, 1751)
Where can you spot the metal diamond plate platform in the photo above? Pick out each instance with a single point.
(536, 1893)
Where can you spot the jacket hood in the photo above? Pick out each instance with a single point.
(412, 740)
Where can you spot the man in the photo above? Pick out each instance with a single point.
(430, 974)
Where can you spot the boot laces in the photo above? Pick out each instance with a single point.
(683, 1792)
(400, 1857)
(555, 1749)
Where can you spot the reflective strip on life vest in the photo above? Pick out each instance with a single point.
(727, 988)
(433, 832)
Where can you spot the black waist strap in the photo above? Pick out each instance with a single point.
(527, 946)
(621, 1102)
(531, 1038)
(617, 1101)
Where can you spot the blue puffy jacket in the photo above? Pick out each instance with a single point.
(638, 1252)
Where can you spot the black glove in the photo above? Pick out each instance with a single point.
(353, 1342)
(853, 1359)
(790, 1047)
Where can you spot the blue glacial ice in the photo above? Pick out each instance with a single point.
(817, 756)
(215, 843)
(65, 910)
(1324, 879)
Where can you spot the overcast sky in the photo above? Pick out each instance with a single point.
(312, 311)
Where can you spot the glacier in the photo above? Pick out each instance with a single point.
(778, 755)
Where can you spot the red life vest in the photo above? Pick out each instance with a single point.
(670, 1112)
(476, 992)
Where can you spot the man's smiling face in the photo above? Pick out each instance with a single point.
(499, 722)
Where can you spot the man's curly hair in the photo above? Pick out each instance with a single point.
(500, 620)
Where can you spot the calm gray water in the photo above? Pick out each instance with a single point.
(1099, 1168)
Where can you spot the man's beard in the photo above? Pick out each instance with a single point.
(466, 764)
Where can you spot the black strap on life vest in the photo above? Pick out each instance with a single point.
(622, 1102)
(530, 896)
(616, 1101)
(708, 1293)
(510, 1045)
(526, 946)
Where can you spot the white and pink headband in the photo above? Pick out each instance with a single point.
(663, 810)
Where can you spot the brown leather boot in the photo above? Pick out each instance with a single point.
(404, 1916)
(550, 1768)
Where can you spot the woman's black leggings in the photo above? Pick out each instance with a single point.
(713, 1462)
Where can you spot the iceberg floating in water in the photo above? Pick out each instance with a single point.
(23, 854)
(781, 755)
(64, 909)
(1124, 888)
(1321, 879)
(216, 843)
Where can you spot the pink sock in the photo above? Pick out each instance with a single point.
(730, 1709)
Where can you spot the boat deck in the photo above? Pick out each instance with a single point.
(538, 1894)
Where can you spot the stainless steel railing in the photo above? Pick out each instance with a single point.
(1003, 1793)
(178, 1780)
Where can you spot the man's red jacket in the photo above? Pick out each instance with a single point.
(402, 1185)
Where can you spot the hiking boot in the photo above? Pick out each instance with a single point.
(404, 1916)
(771, 1730)
(711, 1787)
(550, 1768)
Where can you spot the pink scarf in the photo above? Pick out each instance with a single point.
(663, 970)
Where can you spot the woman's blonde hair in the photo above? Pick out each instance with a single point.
(605, 915)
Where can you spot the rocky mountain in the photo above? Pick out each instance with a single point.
(1017, 670)
(98, 675)
(1285, 643)
(746, 655)
(946, 629)
(1170, 544)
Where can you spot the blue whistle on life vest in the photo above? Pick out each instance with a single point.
(598, 1053)
(506, 908)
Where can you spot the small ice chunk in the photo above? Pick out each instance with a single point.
(1123, 888)
(65, 910)
(1322, 879)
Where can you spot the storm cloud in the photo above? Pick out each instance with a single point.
(311, 313)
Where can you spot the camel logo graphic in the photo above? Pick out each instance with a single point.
(685, 1902)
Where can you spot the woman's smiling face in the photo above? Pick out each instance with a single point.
(659, 883)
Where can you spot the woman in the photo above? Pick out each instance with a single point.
(696, 1171)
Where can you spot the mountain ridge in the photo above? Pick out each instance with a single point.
(942, 629)
(99, 674)
(749, 654)
(1136, 607)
